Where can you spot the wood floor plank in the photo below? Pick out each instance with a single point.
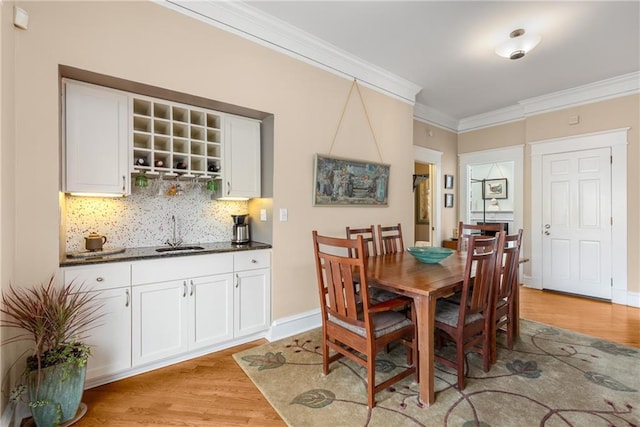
(212, 390)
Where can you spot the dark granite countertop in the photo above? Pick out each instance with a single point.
(136, 254)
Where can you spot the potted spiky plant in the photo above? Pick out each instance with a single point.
(55, 319)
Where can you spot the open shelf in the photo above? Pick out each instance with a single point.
(176, 139)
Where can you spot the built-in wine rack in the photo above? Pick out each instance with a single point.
(175, 139)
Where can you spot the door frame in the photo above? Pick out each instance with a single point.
(513, 154)
(434, 157)
(616, 140)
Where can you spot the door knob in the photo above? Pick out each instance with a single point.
(546, 233)
(547, 226)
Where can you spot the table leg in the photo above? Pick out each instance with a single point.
(425, 310)
(516, 312)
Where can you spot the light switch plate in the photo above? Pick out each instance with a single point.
(263, 214)
(284, 214)
(20, 18)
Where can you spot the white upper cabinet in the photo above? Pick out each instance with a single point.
(241, 157)
(96, 140)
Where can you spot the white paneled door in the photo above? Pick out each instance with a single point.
(576, 211)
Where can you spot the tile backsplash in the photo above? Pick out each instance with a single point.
(144, 218)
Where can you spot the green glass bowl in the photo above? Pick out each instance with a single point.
(429, 254)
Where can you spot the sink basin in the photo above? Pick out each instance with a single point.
(180, 249)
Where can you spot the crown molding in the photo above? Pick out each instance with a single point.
(492, 118)
(615, 87)
(430, 115)
(252, 24)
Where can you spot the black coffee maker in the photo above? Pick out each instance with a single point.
(240, 229)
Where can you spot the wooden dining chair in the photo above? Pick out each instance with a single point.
(355, 329)
(390, 239)
(368, 235)
(466, 230)
(468, 324)
(506, 282)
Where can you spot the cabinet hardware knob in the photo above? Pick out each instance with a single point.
(237, 280)
(124, 183)
(99, 279)
(254, 261)
(184, 286)
(192, 287)
(128, 298)
(228, 188)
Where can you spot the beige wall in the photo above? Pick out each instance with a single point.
(439, 139)
(493, 137)
(598, 116)
(131, 40)
(7, 216)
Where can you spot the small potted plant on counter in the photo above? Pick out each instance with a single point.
(54, 319)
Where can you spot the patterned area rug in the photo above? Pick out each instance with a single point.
(553, 377)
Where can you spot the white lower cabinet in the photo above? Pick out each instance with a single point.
(174, 317)
(160, 316)
(210, 310)
(111, 341)
(159, 311)
(252, 294)
(252, 301)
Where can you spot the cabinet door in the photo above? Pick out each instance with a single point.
(159, 320)
(252, 301)
(210, 308)
(241, 157)
(96, 140)
(110, 341)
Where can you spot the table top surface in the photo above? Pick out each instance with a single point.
(403, 272)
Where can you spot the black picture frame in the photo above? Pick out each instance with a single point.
(448, 200)
(448, 182)
(495, 189)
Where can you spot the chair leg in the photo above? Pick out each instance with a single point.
(325, 357)
(371, 380)
(488, 350)
(461, 360)
(510, 333)
(494, 343)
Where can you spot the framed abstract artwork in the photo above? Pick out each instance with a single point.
(346, 182)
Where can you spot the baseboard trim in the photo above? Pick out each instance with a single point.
(291, 325)
(624, 297)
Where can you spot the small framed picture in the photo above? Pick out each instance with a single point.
(495, 189)
(448, 182)
(448, 200)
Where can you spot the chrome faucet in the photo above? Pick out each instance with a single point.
(174, 242)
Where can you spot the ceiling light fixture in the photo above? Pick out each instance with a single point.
(518, 44)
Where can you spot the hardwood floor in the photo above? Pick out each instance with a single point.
(612, 322)
(212, 390)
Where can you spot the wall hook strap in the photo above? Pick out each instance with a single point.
(366, 113)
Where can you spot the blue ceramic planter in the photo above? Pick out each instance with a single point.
(58, 397)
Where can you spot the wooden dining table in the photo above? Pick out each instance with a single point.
(425, 283)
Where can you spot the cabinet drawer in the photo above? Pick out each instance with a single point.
(250, 260)
(179, 268)
(105, 276)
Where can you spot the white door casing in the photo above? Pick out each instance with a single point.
(513, 154)
(434, 157)
(615, 139)
(576, 216)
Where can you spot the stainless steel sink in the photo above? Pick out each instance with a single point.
(180, 249)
